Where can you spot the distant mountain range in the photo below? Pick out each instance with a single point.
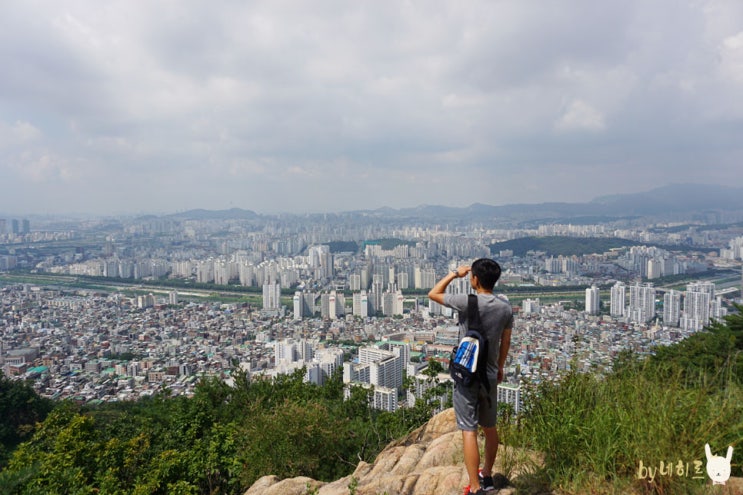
(674, 198)
(672, 202)
(200, 214)
(678, 200)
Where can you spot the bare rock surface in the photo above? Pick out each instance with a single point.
(427, 461)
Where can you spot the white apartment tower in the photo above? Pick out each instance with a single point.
(592, 300)
(671, 308)
(697, 301)
(272, 296)
(553, 265)
(618, 300)
(511, 394)
(321, 259)
(354, 282)
(361, 304)
(402, 280)
(654, 268)
(392, 303)
(332, 305)
(297, 300)
(641, 303)
(385, 366)
(716, 310)
(428, 278)
(530, 306)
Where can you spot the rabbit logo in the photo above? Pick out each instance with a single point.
(718, 467)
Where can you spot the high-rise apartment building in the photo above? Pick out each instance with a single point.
(735, 252)
(361, 304)
(402, 280)
(332, 305)
(511, 394)
(654, 268)
(553, 265)
(641, 303)
(285, 351)
(272, 296)
(618, 300)
(222, 272)
(593, 300)
(716, 310)
(697, 299)
(297, 302)
(379, 368)
(569, 265)
(246, 273)
(392, 303)
(530, 306)
(671, 308)
(385, 365)
(428, 278)
(382, 398)
(204, 272)
(321, 259)
(354, 282)
(309, 308)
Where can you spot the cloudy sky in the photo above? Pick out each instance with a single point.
(294, 106)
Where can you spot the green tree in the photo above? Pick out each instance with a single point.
(218, 441)
(291, 440)
(21, 408)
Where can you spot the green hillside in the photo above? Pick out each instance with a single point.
(599, 434)
(219, 441)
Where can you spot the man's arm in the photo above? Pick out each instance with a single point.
(437, 293)
(505, 344)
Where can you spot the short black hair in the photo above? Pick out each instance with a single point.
(487, 272)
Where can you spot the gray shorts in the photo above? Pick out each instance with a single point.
(472, 408)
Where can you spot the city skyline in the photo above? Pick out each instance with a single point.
(285, 107)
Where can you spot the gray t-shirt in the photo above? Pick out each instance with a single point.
(496, 315)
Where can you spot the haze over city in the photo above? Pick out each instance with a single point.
(122, 107)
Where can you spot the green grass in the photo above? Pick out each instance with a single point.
(594, 431)
(615, 433)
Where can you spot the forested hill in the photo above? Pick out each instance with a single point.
(562, 245)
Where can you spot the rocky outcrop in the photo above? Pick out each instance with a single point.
(427, 461)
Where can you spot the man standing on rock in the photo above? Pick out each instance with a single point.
(473, 405)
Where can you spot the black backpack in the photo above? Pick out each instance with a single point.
(468, 362)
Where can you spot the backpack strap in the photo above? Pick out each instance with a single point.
(474, 322)
(473, 314)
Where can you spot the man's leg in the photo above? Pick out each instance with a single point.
(489, 416)
(471, 458)
(491, 449)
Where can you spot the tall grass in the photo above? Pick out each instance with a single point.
(595, 431)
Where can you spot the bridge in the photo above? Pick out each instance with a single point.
(726, 291)
(718, 292)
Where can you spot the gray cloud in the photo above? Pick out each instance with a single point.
(297, 106)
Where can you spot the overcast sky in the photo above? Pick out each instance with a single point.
(288, 106)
